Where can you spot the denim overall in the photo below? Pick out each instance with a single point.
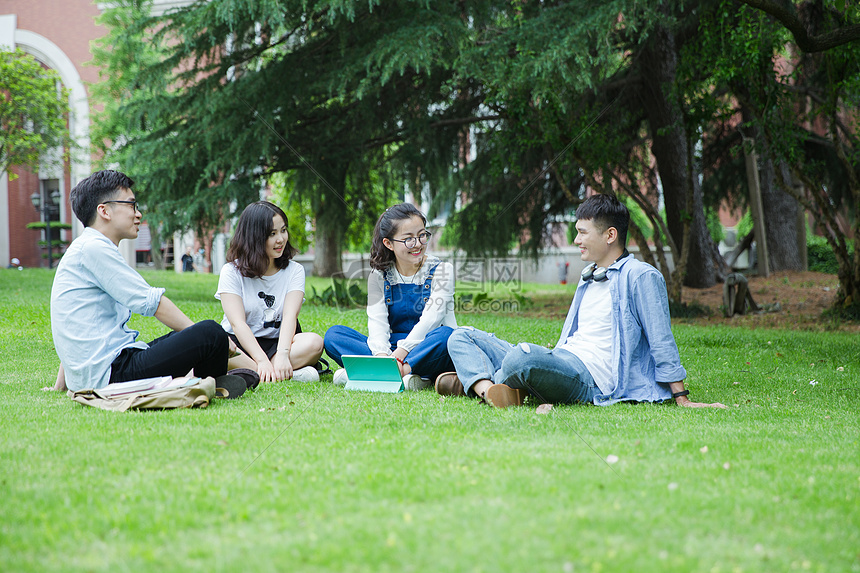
(405, 302)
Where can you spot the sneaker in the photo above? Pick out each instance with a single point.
(448, 384)
(306, 374)
(340, 378)
(502, 396)
(415, 382)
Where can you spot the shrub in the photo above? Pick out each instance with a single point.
(688, 309)
(820, 257)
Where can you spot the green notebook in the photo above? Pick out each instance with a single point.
(373, 373)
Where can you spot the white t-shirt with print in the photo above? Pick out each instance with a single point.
(263, 297)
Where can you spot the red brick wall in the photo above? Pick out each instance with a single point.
(23, 241)
(70, 25)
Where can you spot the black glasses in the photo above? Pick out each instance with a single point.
(132, 203)
(411, 242)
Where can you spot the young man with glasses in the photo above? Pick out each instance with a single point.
(95, 292)
(616, 343)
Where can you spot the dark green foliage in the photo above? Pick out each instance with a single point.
(843, 313)
(471, 302)
(233, 92)
(343, 293)
(792, 104)
(820, 256)
(360, 102)
(540, 65)
(688, 310)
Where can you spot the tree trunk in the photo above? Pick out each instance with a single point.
(155, 247)
(780, 212)
(330, 226)
(671, 150)
(327, 259)
(762, 260)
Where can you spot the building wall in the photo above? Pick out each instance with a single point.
(58, 35)
(69, 24)
(23, 241)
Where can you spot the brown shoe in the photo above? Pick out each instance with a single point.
(448, 384)
(502, 396)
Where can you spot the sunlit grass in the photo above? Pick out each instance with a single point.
(312, 477)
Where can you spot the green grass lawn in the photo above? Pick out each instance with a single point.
(310, 477)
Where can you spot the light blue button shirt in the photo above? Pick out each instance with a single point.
(93, 296)
(644, 354)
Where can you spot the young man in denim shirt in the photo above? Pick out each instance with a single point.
(95, 292)
(616, 343)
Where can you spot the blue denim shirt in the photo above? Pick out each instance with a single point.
(93, 296)
(644, 353)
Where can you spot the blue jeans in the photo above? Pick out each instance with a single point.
(428, 359)
(552, 375)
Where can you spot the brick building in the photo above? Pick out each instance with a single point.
(59, 35)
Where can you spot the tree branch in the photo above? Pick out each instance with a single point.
(464, 120)
(786, 12)
(380, 141)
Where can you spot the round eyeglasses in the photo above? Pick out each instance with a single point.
(412, 242)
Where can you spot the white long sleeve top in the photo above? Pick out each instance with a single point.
(438, 311)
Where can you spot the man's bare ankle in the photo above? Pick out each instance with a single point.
(480, 387)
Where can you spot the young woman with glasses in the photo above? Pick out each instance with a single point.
(410, 303)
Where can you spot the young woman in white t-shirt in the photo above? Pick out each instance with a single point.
(410, 303)
(261, 291)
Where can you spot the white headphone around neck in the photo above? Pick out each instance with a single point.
(595, 273)
(598, 274)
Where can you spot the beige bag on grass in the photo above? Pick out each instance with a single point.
(197, 394)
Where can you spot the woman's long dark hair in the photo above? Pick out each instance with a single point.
(381, 256)
(248, 245)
